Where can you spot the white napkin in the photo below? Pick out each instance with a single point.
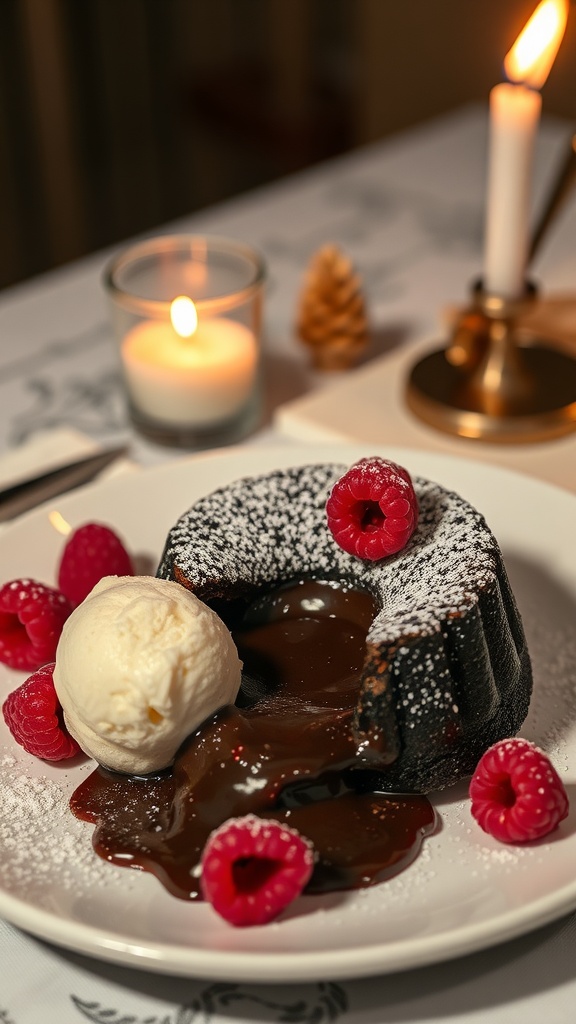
(367, 406)
(51, 449)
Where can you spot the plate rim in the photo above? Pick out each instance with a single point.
(342, 965)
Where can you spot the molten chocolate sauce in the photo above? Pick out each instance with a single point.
(286, 751)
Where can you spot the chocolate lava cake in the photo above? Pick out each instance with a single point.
(446, 670)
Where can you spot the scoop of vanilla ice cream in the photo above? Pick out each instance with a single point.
(140, 664)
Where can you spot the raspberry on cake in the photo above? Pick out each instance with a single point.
(373, 510)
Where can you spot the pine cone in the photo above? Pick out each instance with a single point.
(332, 317)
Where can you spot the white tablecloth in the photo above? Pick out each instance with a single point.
(409, 213)
(523, 982)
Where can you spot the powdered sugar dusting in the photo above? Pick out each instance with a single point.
(42, 845)
(262, 529)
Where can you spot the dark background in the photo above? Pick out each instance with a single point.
(119, 115)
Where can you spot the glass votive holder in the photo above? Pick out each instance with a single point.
(187, 316)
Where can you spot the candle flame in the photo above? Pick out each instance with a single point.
(184, 316)
(533, 54)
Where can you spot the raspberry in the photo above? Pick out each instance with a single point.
(373, 509)
(91, 552)
(34, 717)
(516, 793)
(253, 868)
(31, 620)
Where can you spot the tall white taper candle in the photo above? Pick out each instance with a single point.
(514, 118)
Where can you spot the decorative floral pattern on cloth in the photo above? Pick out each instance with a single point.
(318, 1004)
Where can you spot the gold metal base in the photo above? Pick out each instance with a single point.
(489, 385)
(435, 386)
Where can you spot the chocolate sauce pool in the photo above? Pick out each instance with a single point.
(285, 751)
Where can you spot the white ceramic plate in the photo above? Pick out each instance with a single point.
(463, 893)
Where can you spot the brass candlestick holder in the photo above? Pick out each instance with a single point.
(494, 382)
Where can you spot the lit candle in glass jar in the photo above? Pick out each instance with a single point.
(188, 372)
(187, 316)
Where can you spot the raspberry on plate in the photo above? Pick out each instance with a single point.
(252, 868)
(31, 620)
(373, 509)
(516, 793)
(33, 715)
(91, 552)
